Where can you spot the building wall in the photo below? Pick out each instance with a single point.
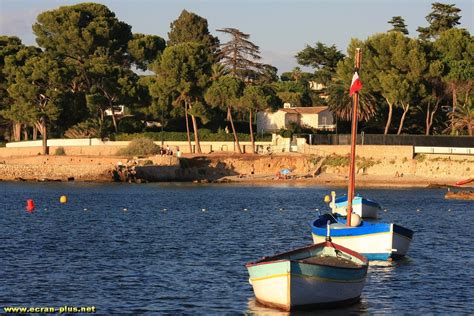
(267, 121)
(97, 147)
(367, 151)
(310, 120)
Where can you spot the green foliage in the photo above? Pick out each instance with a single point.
(131, 124)
(296, 93)
(313, 159)
(442, 17)
(256, 98)
(145, 49)
(60, 151)
(365, 163)
(78, 32)
(398, 24)
(190, 27)
(205, 135)
(463, 118)
(420, 157)
(337, 161)
(322, 58)
(225, 92)
(87, 129)
(140, 147)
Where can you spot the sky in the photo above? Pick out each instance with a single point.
(281, 28)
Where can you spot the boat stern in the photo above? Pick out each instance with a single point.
(401, 241)
(271, 283)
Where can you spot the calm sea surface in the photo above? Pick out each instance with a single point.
(181, 248)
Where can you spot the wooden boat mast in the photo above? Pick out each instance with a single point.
(355, 104)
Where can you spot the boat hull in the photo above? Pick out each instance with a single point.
(374, 241)
(365, 208)
(292, 284)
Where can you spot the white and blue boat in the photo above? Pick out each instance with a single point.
(322, 275)
(361, 206)
(376, 241)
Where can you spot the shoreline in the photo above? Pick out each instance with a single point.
(246, 169)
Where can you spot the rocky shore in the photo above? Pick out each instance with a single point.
(246, 168)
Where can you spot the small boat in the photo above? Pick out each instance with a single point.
(463, 182)
(361, 206)
(376, 241)
(459, 195)
(315, 276)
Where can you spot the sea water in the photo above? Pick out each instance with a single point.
(181, 248)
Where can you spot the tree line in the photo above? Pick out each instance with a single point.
(88, 62)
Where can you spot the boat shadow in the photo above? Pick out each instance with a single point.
(256, 308)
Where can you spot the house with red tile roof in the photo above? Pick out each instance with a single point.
(316, 117)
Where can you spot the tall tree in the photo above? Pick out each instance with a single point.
(268, 75)
(9, 46)
(393, 64)
(86, 37)
(14, 57)
(190, 27)
(456, 52)
(322, 58)
(254, 99)
(183, 74)
(398, 25)
(39, 84)
(441, 18)
(145, 50)
(225, 93)
(463, 118)
(240, 55)
(296, 93)
(436, 90)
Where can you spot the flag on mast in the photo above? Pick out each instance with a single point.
(356, 84)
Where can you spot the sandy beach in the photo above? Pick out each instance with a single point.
(245, 169)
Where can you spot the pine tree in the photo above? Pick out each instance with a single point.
(398, 24)
(239, 54)
(442, 17)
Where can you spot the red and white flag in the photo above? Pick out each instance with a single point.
(356, 84)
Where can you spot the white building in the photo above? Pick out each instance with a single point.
(317, 117)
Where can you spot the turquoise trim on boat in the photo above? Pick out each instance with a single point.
(327, 272)
(268, 269)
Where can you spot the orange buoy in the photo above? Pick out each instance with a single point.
(30, 205)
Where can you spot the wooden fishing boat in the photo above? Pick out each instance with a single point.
(361, 206)
(377, 241)
(315, 276)
(459, 195)
(463, 182)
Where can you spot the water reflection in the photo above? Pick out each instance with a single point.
(255, 308)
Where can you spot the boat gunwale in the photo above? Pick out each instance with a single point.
(268, 260)
(356, 201)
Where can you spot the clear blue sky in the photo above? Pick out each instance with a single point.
(281, 27)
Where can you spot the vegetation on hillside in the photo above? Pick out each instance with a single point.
(73, 84)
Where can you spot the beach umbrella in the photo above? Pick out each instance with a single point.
(285, 171)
